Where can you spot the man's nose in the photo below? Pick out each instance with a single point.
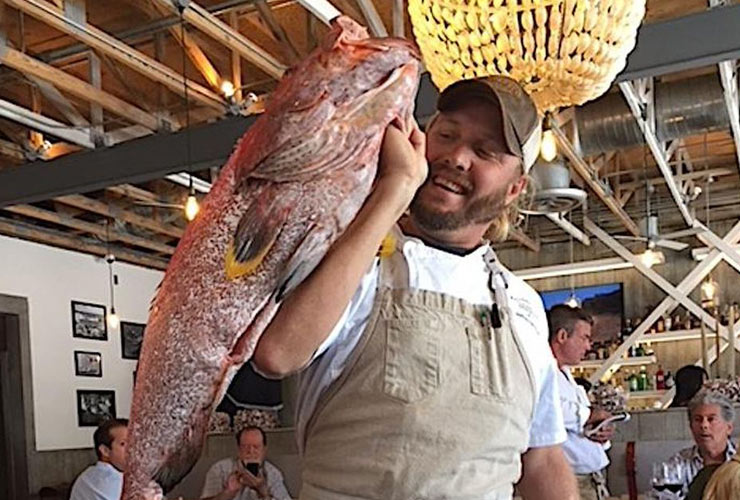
(459, 158)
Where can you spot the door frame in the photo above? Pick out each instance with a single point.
(19, 398)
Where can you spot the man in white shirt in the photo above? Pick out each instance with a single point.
(711, 419)
(248, 476)
(104, 480)
(429, 374)
(570, 339)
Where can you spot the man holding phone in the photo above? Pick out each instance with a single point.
(248, 476)
(570, 339)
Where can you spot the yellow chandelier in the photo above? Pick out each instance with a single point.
(564, 52)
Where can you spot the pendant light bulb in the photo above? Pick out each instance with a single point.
(573, 301)
(191, 206)
(228, 89)
(113, 318)
(548, 146)
(709, 289)
(651, 257)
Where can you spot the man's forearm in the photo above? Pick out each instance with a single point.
(310, 312)
(546, 475)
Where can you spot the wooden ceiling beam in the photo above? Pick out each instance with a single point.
(372, 18)
(289, 51)
(194, 51)
(114, 212)
(52, 94)
(38, 122)
(124, 54)
(229, 37)
(89, 227)
(524, 239)
(60, 239)
(135, 193)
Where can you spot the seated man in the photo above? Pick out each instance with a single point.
(104, 480)
(570, 339)
(711, 418)
(248, 476)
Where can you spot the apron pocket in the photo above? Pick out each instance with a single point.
(412, 354)
(491, 362)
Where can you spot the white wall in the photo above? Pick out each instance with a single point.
(50, 278)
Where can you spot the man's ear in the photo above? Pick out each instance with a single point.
(561, 336)
(104, 451)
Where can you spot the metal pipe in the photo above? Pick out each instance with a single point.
(682, 108)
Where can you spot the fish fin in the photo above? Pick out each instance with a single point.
(256, 232)
(306, 257)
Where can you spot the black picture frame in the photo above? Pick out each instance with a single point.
(95, 406)
(89, 321)
(132, 335)
(88, 364)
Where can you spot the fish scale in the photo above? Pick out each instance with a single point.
(290, 197)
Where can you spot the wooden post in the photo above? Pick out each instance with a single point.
(731, 332)
(704, 361)
(716, 344)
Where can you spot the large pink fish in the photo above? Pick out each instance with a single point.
(295, 181)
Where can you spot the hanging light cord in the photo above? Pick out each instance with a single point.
(187, 100)
(109, 259)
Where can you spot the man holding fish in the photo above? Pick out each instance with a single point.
(427, 372)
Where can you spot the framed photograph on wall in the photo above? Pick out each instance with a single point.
(88, 364)
(132, 334)
(95, 406)
(88, 321)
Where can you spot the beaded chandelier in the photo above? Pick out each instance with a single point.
(564, 52)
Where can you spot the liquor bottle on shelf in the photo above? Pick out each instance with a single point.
(633, 382)
(660, 379)
(660, 325)
(669, 381)
(677, 323)
(627, 330)
(642, 379)
(639, 351)
(668, 323)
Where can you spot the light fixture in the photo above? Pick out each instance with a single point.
(112, 317)
(564, 53)
(548, 146)
(228, 89)
(191, 205)
(572, 301)
(651, 257)
(709, 290)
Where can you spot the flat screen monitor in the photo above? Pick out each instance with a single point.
(604, 303)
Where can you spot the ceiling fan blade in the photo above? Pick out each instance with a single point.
(671, 245)
(631, 238)
(682, 234)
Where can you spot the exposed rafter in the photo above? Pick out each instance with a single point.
(570, 228)
(60, 239)
(41, 123)
(77, 87)
(641, 103)
(289, 51)
(229, 37)
(323, 10)
(580, 166)
(117, 50)
(89, 227)
(525, 240)
(374, 22)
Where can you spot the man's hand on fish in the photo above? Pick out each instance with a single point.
(403, 164)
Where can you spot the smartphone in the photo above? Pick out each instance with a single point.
(252, 467)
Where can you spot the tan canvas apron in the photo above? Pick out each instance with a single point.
(434, 402)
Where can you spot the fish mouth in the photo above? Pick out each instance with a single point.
(395, 76)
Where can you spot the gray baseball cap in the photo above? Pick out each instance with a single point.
(522, 128)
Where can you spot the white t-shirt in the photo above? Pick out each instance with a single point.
(465, 277)
(584, 455)
(101, 481)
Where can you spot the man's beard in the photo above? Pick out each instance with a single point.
(481, 211)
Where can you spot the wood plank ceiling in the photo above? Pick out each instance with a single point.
(80, 75)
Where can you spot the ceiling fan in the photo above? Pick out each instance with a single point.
(651, 234)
